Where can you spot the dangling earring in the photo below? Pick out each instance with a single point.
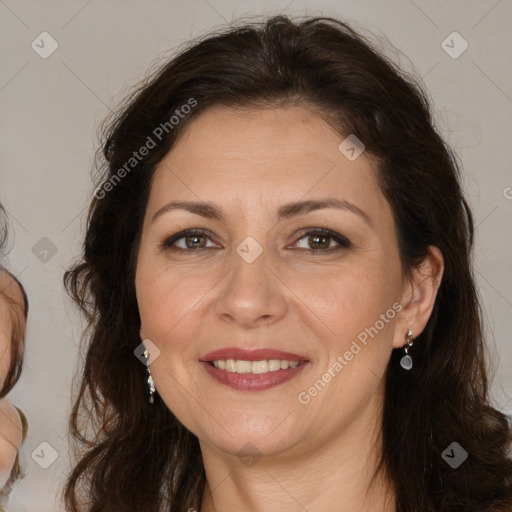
(406, 361)
(149, 380)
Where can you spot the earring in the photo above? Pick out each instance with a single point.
(406, 361)
(149, 380)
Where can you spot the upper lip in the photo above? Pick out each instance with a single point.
(242, 354)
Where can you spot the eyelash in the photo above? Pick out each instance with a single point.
(343, 242)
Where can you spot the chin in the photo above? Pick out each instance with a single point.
(248, 443)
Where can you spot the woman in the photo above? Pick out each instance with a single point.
(283, 228)
(13, 317)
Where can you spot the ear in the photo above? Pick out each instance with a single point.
(418, 296)
(141, 333)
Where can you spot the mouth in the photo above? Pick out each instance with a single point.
(252, 370)
(254, 367)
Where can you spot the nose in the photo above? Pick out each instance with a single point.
(251, 295)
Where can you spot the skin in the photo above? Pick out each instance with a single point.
(319, 456)
(11, 308)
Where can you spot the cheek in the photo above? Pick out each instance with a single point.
(346, 297)
(354, 322)
(352, 316)
(173, 313)
(167, 301)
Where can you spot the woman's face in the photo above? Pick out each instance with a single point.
(249, 280)
(11, 314)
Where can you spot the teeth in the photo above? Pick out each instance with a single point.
(243, 366)
(273, 365)
(264, 366)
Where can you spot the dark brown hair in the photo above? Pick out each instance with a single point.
(134, 457)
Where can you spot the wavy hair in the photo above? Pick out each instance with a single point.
(133, 457)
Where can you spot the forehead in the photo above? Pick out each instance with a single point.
(260, 153)
(270, 134)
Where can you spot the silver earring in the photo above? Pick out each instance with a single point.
(406, 361)
(149, 380)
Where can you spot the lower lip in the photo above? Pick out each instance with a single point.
(252, 381)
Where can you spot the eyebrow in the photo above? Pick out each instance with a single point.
(210, 211)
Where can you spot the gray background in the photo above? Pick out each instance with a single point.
(51, 110)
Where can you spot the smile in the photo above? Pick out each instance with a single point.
(255, 367)
(252, 370)
(250, 380)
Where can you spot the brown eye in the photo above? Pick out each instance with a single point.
(322, 240)
(194, 241)
(319, 241)
(189, 239)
